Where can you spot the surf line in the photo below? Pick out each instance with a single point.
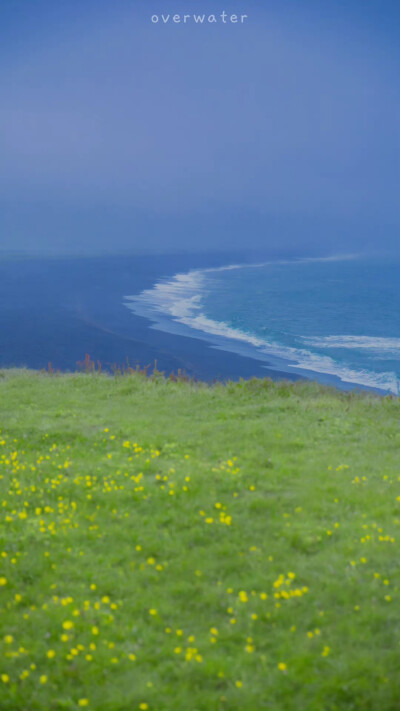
(200, 19)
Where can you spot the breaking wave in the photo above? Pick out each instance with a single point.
(176, 305)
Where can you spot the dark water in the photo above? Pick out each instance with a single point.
(57, 310)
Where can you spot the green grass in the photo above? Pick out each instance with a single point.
(187, 547)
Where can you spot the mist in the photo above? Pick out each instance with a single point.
(118, 134)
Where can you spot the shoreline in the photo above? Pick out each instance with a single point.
(69, 307)
(173, 305)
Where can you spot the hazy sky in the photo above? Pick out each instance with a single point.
(117, 133)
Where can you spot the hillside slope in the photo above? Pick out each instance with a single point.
(167, 545)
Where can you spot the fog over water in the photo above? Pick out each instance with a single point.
(121, 135)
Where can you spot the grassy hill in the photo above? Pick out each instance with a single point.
(167, 545)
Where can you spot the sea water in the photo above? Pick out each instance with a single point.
(330, 319)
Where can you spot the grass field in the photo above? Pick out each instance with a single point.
(167, 545)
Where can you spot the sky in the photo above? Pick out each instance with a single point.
(122, 134)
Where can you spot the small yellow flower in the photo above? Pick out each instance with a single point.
(282, 666)
(5, 678)
(326, 651)
(43, 679)
(51, 654)
(95, 630)
(143, 706)
(8, 639)
(153, 612)
(83, 702)
(239, 684)
(3, 581)
(68, 625)
(132, 657)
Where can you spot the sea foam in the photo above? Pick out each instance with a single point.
(176, 305)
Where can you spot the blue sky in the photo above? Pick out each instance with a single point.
(117, 134)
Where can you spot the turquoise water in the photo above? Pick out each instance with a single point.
(324, 318)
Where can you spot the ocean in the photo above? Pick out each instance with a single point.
(56, 310)
(335, 320)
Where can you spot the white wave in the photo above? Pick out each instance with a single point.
(300, 260)
(382, 345)
(179, 300)
(386, 381)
